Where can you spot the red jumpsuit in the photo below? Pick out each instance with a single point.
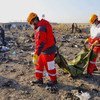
(45, 48)
(95, 36)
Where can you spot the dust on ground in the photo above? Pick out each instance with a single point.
(17, 70)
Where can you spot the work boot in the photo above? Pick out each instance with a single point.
(38, 82)
(52, 83)
(52, 86)
(89, 76)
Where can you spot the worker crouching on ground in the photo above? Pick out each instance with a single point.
(94, 40)
(45, 50)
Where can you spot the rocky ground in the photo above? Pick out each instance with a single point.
(17, 70)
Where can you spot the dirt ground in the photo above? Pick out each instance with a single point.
(17, 70)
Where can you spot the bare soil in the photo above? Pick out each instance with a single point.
(17, 70)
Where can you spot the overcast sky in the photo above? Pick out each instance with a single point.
(67, 11)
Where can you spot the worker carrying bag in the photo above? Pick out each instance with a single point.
(78, 65)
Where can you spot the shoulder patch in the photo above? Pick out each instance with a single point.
(42, 28)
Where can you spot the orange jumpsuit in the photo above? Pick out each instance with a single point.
(95, 36)
(45, 48)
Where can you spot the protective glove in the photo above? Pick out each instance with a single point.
(34, 58)
(32, 35)
(86, 41)
(95, 43)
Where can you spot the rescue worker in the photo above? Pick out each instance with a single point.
(94, 40)
(45, 50)
(2, 35)
(73, 28)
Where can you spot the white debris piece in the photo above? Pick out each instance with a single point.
(84, 96)
(4, 48)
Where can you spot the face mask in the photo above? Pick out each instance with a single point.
(32, 26)
(35, 22)
(95, 23)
